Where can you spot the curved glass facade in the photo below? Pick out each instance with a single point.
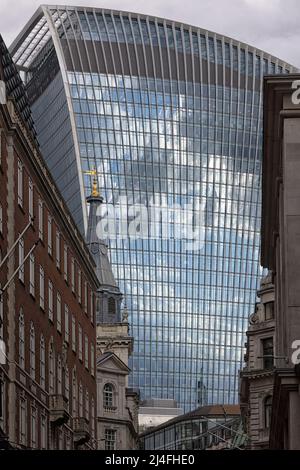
(170, 113)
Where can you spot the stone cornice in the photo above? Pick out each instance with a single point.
(256, 373)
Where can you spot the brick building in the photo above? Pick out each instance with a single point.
(47, 384)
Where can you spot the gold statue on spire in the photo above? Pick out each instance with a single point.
(95, 191)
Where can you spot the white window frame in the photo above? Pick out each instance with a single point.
(59, 376)
(73, 333)
(74, 396)
(32, 354)
(21, 340)
(67, 384)
(21, 259)
(32, 274)
(50, 300)
(20, 183)
(49, 234)
(67, 323)
(79, 286)
(73, 274)
(42, 362)
(85, 298)
(42, 288)
(51, 369)
(87, 405)
(58, 311)
(41, 219)
(110, 443)
(30, 200)
(92, 306)
(65, 262)
(80, 400)
(57, 249)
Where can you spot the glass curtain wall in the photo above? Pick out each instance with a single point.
(169, 115)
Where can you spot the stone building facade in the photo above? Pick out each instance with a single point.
(280, 250)
(117, 404)
(256, 391)
(117, 409)
(48, 286)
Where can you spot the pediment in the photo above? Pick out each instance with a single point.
(109, 361)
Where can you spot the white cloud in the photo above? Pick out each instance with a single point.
(263, 4)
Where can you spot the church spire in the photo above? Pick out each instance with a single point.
(109, 292)
(95, 191)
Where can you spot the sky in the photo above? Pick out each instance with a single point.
(271, 25)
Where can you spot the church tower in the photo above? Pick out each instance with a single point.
(117, 412)
(109, 297)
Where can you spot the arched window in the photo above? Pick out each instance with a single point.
(80, 401)
(42, 362)
(21, 340)
(267, 411)
(51, 368)
(111, 306)
(108, 396)
(32, 350)
(59, 375)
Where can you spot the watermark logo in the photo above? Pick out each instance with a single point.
(296, 93)
(157, 220)
(2, 352)
(296, 354)
(2, 92)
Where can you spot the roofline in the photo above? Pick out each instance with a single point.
(26, 29)
(39, 13)
(155, 429)
(192, 416)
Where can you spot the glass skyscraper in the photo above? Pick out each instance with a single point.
(171, 113)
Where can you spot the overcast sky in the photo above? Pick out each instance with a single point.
(271, 25)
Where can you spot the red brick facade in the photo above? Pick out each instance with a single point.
(48, 387)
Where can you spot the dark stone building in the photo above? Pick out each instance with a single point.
(280, 249)
(257, 377)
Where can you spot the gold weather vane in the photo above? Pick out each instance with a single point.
(95, 192)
